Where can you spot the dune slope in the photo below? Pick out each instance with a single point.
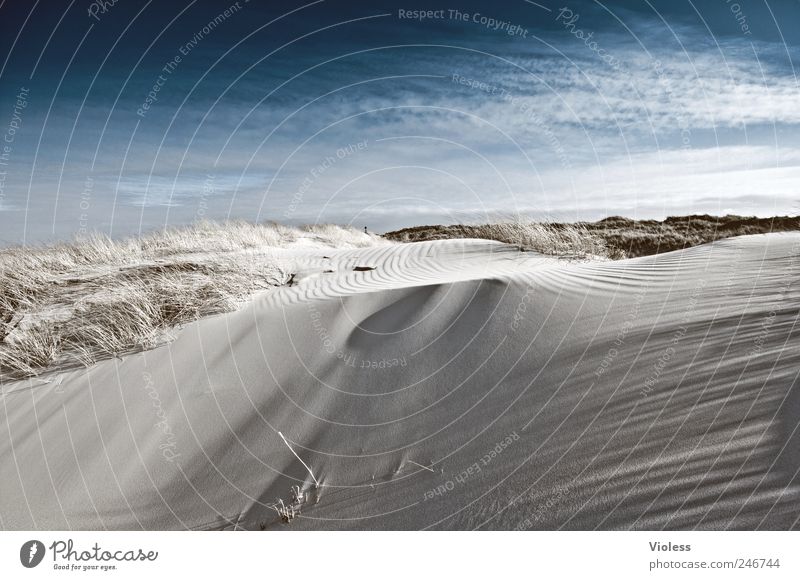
(457, 385)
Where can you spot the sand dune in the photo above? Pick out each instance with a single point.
(460, 384)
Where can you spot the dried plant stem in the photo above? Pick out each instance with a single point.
(311, 473)
(422, 466)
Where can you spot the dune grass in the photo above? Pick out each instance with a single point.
(647, 237)
(564, 240)
(95, 297)
(613, 237)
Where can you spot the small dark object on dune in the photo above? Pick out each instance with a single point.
(363, 268)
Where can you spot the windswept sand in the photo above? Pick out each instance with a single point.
(460, 384)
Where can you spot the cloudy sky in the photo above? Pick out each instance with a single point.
(139, 114)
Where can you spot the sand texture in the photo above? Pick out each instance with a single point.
(460, 384)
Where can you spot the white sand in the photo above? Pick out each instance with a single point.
(460, 384)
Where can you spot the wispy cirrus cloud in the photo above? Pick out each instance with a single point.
(456, 116)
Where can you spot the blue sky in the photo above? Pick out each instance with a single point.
(371, 114)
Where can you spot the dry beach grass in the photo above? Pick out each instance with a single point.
(96, 297)
(568, 240)
(613, 237)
